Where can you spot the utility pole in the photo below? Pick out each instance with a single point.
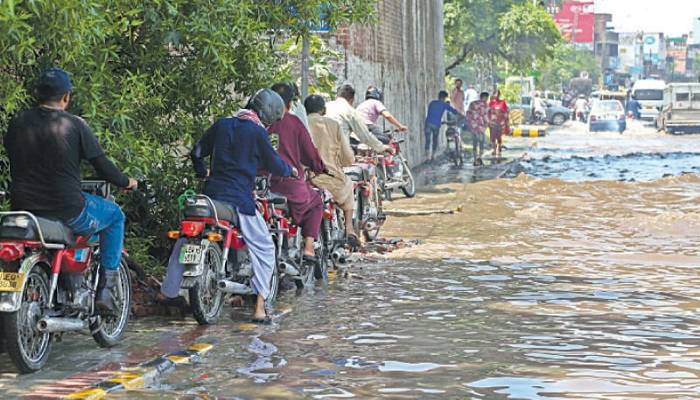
(305, 66)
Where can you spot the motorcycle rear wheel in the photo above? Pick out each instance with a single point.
(323, 254)
(27, 347)
(112, 329)
(205, 297)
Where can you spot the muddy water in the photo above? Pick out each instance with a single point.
(565, 285)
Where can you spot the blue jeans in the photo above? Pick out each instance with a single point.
(431, 136)
(106, 218)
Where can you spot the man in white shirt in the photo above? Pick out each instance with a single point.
(470, 96)
(351, 122)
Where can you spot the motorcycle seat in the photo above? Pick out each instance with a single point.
(201, 208)
(278, 201)
(21, 227)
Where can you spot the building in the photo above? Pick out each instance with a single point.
(695, 35)
(676, 56)
(654, 53)
(630, 56)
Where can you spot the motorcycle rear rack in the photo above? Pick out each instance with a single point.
(35, 221)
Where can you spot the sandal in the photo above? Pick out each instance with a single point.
(264, 321)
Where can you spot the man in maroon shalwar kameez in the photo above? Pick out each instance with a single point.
(294, 145)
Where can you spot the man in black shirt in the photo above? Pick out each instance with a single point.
(45, 146)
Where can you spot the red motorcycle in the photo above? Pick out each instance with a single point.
(368, 216)
(214, 257)
(48, 282)
(287, 237)
(394, 172)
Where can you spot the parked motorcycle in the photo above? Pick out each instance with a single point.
(394, 172)
(215, 258)
(368, 216)
(48, 281)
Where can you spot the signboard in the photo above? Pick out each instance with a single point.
(651, 47)
(576, 20)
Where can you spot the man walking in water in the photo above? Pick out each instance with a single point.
(478, 120)
(457, 97)
(436, 109)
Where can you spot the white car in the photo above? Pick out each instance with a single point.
(607, 115)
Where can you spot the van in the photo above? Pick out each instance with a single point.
(681, 108)
(650, 95)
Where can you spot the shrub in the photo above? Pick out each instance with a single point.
(150, 77)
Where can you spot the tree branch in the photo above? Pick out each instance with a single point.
(466, 49)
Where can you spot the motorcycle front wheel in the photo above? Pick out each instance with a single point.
(28, 347)
(409, 188)
(205, 297)
(112, 328)
(322, 251)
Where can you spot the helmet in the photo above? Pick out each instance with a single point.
(374, 93)
(268, 105)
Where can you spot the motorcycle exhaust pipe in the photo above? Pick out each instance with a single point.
(234, 287)
(59, 324)
(289, 269)
(338, 256)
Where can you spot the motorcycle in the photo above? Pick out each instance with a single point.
(289, 243)
(214, 256)
(368, 216)
(48, 282)
(332, 235)
(394, 172)
(454, 141)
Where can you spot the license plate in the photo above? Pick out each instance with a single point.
(11, 281)
(190, 254)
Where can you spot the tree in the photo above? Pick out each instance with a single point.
(514, 31)
(151, 76)
(568, 62)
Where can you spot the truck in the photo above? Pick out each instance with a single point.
(650, 95)
(680, 112)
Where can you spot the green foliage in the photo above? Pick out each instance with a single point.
(568, 62)
(322, 78)
(150, 77)
(506, 31)
(511, 92)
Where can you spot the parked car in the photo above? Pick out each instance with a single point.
(556, 113)
(681, 108)
(607, 115)
(650, 95)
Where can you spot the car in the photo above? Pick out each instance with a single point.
(607, 115)
(556, 113)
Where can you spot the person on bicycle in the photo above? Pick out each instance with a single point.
(237, 146)
(294, 144)
(336, 153)
(45, 145)
(351, 122)
(478, 120)
(436, 110)
(373, 108)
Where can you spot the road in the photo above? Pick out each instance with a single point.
(576, 278)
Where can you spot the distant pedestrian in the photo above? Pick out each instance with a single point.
(478, 120)
(499, 124)
(471, 96)
(436, 110)
(457, 97)
(634, 108)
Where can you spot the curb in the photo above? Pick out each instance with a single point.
(528, 132)
(137, 377)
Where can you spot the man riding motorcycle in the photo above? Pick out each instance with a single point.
(294, 145)
(351, 121)
(45, 145)
(373, 108)
(237, 146)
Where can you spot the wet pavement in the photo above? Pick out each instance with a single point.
(576, 280)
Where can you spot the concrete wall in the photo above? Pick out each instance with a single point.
(403, 54)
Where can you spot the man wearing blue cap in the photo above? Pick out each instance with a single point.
(45, 145)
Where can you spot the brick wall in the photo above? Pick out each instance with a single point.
(402, 54)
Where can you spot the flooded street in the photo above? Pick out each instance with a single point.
(577, 279)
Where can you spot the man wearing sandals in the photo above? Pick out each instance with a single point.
(336, 153)
(295, 146)
(237, 147)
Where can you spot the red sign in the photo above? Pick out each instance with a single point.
(576, 20)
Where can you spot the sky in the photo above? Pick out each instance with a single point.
(674, 17)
